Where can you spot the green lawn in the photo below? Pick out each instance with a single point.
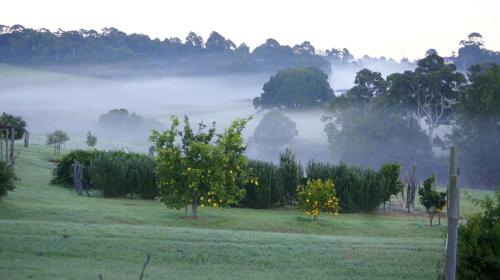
(49, 232)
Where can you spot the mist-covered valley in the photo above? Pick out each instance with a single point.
(52, 100)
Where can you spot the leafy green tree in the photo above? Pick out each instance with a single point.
(193, 170)
(375, 138)
(478, 254)
(194, 41)
(472, 52)
(16, 121)
(91, 140)
(428, 94)
(389, 179)
(476, 129)
(6, 179)
(304, 49)
(318, 196)
(367, 86)
(57, 138)
(437, 91)
(291, 173)
(432, 200)
(217, 43)
(295, 88)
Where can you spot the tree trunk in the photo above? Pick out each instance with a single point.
(194, 208)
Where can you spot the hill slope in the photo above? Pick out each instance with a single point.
(48, 232)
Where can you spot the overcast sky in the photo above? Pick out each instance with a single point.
(388, 28)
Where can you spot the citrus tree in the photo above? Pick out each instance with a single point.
(194, 168)
(318, 196)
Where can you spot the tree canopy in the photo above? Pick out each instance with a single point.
(476, 129)
(110, 46)
(17, 122)
(295, 88)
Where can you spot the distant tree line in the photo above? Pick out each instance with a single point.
(473, 51)
(194, 55)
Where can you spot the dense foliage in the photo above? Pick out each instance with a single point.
(63, 173)
(432, 200)
(295, 88)
(115, 173)
(265, 188)
(6, 179)
(118, 174)
(358, 189)
(478, 254)
(476, 130)
(139, 53)
(193, 170)
(17, 122)
(382, 120)
(317, 196)
(291, 173)
(473, 52)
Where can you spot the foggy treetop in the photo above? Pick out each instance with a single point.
(193, 56)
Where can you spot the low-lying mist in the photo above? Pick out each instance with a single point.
(50, 101)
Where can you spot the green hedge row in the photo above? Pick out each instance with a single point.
(115, 173)
(269, 190)
(359, 189)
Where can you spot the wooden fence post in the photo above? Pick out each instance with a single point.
(453, 214)
(12, 135)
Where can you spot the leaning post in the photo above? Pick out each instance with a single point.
(12, 138)
(453, 214)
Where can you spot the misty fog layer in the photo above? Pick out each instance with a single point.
(49, 101)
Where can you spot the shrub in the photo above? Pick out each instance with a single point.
(316, 197)
(291, 173)
(6, 179)
(265, 190)
(478, 255)
(63, 173)
(389, 180)
(118, 173)
(432, 200)
(359, 189)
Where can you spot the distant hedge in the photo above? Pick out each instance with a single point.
(359, 189)
(119, 174)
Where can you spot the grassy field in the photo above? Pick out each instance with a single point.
(49, 232)
(12, 75)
